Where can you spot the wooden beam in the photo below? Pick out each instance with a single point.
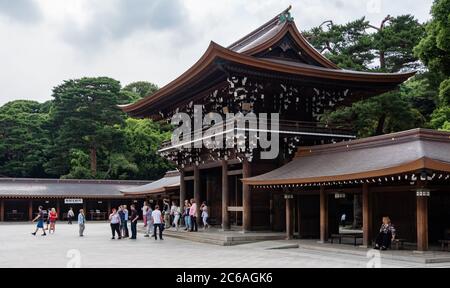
(225, 197)
(246, 198)
(289, 230)
(197, 187)
(323, 215)
(235, 209)
(2, 210)
(235, 172)
(422, 223)
(367, 216)
(189, 178)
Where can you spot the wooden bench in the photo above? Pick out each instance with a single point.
(398, 244)
(446, 241)
(353, 236)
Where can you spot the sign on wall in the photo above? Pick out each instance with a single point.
(73, 201)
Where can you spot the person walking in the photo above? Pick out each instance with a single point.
(176, 211)
(193, 214)
(148, 216)
(70, 216)
(53, 216)
(41, 220)
(145, 209)
(157, 222)
(114, 217)
(81, 222)
(187, 217)
(205, 215)
(134, 220)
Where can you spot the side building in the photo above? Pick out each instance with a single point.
(20, 198)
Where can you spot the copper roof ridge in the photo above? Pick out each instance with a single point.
(261, 28)
(376, 141)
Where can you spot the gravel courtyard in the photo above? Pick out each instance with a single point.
(18, 248)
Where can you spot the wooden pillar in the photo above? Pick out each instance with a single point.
(30, 210)
(367, 216)
(58, 212)
(289, 230)
(108, 207)
(225, 197)
(182, 189)
(85, 207)
(299, 217)
(323, 215)
(2, 210)
(422, 223)
(197, 187)
(246, 198)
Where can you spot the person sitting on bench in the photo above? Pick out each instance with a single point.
(386, 236)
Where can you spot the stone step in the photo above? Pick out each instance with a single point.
(221, 238)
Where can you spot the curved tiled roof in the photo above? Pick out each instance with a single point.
(53, 188)
(405, 152)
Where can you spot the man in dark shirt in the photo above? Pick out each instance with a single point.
(134, 219)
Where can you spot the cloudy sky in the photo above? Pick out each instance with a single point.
(43, 42)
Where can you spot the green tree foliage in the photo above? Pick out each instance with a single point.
(23, 139)
(143, 139)
(348, 45)
(434, 51)
(83, 115)
(136, 91)
(359, 45)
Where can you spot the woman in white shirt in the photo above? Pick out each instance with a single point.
(114, 217)
(205, 215)
(176, 212)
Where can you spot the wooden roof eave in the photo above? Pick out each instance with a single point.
(412, 167)
(216, 51)
(152, 192)
(292, 29)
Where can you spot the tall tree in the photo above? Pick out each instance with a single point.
(84, 113)
(23, 139)
(434, 51)
(137, 90)
(384, 47)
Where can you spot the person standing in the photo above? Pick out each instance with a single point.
(157, 222)
(166, 213)
(70, 216)
(134, 220)
(41, 220)
(193, 214)
(81, 222)
(53, 216)
(205, 215)
(114, 217)
(187, 217)
(125, 224)
(149, 218)
(145, 209)
(176, 211)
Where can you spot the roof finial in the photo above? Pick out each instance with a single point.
(286, 16)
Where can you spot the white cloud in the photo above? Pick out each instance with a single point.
(152, 40)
